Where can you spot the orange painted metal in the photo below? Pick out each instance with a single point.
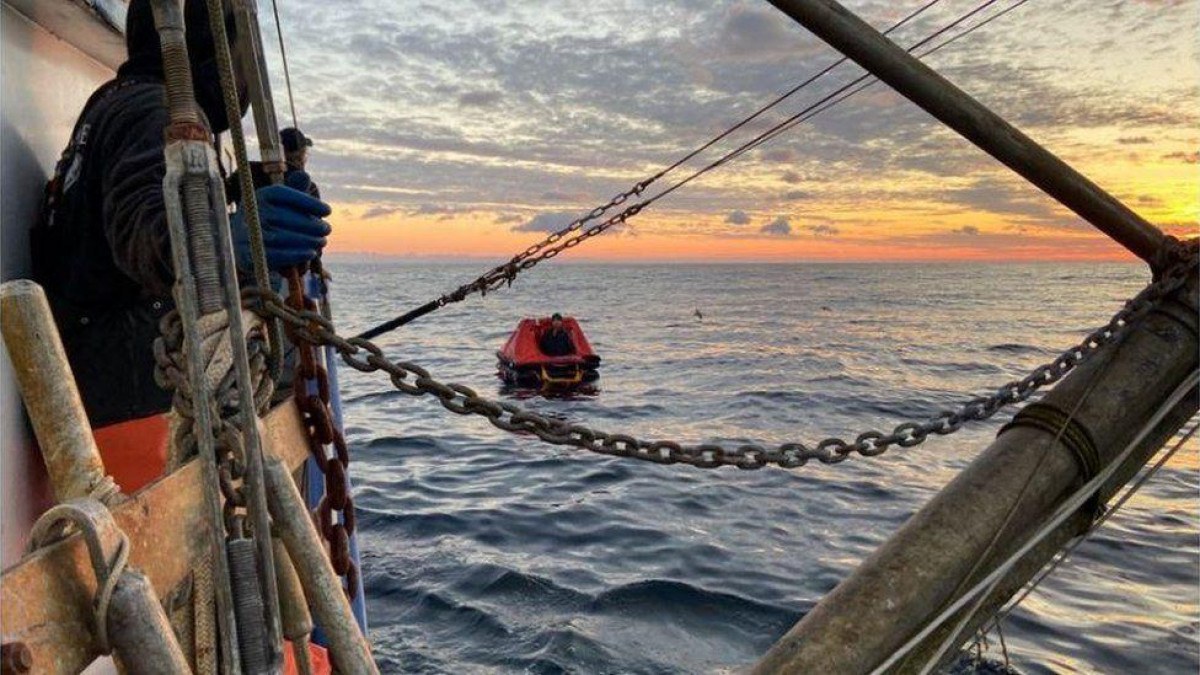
(45, 599)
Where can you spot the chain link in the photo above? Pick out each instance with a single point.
(326, 444)
(171, 373)
(503, 275)
(365, 356)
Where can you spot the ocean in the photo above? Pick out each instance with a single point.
(486, 552)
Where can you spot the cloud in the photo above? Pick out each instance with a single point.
(1185, 157)
(969, 230)
(1134, 140)
(780, 155)
(753, 32)
(505, 218)
(1008, 197)
(738, 218)
(791, 177)
(551, 221)
(780, 227)
(562, 196)
(379, 212)
(436, 209)
(480, 99)
(797, 194)
(822, 230)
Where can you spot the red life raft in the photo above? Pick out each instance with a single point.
(523, 364)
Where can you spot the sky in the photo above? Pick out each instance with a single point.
(471, 128)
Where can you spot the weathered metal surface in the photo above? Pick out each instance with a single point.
(297, 622)
(37, 121)
(919, 83)
(51, 398)
(45, 599)
(15, 658)
(959, 537)
(349, 649)
(293, 608)
(128, 618)
(140, 632)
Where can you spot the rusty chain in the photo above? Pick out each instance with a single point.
(326, 444)
(503, 275)
(171, 373)
(363, 355)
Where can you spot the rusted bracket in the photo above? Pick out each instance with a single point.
(45, 599)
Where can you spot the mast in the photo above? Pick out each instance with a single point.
(956, 109)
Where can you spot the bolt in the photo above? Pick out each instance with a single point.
(15, 658)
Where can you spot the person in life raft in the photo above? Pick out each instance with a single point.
(101, 248)
(556, 341)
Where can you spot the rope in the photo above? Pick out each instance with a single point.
(287, 75)
(998, 620)
(88, 516)
(104, 597)
(1060, 515)
(1059, 427)
(249, 203)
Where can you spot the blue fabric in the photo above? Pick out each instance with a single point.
(294, 229)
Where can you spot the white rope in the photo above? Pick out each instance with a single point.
(1062, 557)
(1064, 511)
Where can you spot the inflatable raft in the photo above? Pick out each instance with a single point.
(523, 364)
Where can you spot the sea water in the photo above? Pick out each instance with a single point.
(489, 552)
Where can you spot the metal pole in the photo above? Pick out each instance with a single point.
(129, 617)
(51, 398)
(935, 94)
(960, 536)
(328, 601)
(254, 70)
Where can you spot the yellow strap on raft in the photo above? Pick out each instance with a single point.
(574, 379)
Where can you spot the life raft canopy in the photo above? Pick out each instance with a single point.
(522, 362)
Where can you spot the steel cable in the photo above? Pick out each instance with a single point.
(504, 273)
(1060, 515)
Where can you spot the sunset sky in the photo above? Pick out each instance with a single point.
(469, 129)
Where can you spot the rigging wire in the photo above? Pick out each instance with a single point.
(951, 638)
(641, 185)
(845, 91)
(287, 75)
(872, 81)
(1001, 615)
(795, 119)
(1065, 510)
(521, 261)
